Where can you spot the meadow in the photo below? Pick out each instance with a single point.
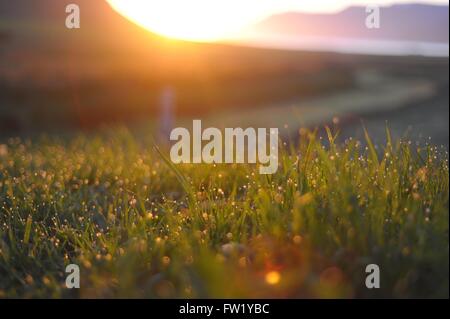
(140, 226)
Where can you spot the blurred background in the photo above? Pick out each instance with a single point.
(285, 69)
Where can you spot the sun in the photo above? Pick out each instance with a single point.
(196, 20)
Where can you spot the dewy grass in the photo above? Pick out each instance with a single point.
(116, 209)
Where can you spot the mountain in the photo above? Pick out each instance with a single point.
(405, 22)
(42, 24)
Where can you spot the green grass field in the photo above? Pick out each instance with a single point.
(140, 227)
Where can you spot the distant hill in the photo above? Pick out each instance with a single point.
(43, 22)
(407, 22)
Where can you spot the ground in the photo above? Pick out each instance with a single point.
(139, 226)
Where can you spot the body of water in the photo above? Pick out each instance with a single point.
(347, 45)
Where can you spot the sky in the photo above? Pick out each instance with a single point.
(205, 20)
(334, 5)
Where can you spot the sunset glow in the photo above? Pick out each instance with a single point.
(198, 20)
(211, 20)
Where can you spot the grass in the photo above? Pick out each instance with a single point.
(138, 227)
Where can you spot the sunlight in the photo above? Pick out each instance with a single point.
(197, 20)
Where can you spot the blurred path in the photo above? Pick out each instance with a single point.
(417, 106)
(374, 93)
(421, 121)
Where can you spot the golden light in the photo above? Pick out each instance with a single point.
(273, 277)
(197, 20)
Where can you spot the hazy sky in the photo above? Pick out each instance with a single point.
(334, 5)
(187, 19)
